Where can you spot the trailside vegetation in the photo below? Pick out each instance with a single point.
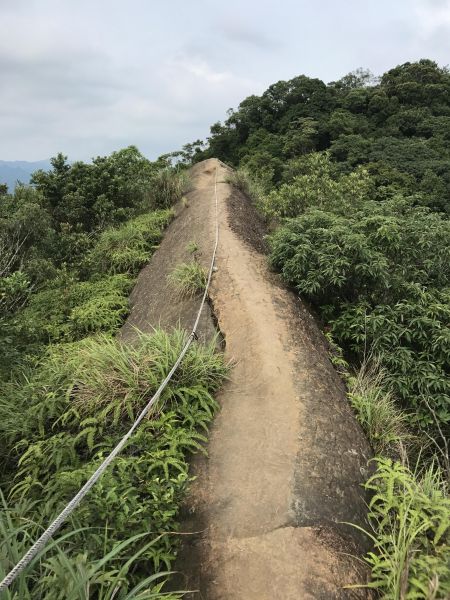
(71, 245)
(59, 421)
(354, 178)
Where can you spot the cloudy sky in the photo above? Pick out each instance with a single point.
(90, 76)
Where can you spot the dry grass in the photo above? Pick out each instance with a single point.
(385, 424)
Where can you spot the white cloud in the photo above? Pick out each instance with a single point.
(246, 33)
(432, 16)
(203, 71)
(88, 77)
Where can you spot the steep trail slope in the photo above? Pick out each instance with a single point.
(286, 457)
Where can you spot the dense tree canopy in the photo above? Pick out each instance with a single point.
(397, 126)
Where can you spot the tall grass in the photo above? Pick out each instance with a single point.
(168, 186)
(63, 418)
(188, 278)
(385, 424)
(107, 373)
(410, 516)
(61, 570)
(252, 187)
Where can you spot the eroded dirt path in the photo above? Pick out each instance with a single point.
(286, 457)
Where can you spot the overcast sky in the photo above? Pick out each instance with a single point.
(90, 76)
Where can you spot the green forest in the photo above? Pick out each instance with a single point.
(353, 181)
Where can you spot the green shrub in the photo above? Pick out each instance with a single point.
(370, 254)
(69, 310)
(315, 186)
(328, 260)
(378, 276)
(66, 401)
(188, 278)
(411, 339)
(100, 313)
(127, 248)
(410, 516)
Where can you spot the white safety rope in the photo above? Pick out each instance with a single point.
(56, 524)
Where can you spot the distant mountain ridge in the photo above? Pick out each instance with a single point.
(12, 171)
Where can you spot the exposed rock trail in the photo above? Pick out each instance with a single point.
(286, 457)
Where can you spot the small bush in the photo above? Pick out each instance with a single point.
(192, 247)
(188, 278)
(68, 310)
(127, 248)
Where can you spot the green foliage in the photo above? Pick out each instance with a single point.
(26, 234)
(301, 137)
(379, 275)
(69, 413)
(61, 570)
(69, 309)
(60, 236)
(315, 186)
(399, 122)
(86, 196)
(410, 514)
(127, 248)
(69, 249)
(411, 338)
(13, 290)
(102, 312)
(188, 278)
(370, 253)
